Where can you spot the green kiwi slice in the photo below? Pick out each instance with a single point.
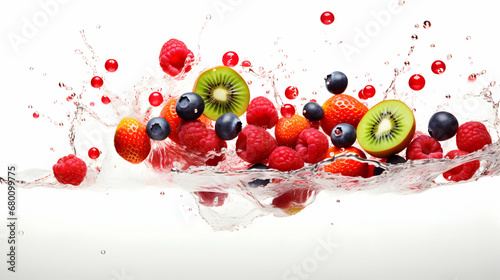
(386, 129)
(223, 90)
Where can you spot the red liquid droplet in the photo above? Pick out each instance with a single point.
(361, 95)
(92, 104)
(111, 65)
(472, 77)
(313, 100)
(438, 67)
(155, 99)
(96, 82)
(287, 110)
(369, 91)
(230, 59)
(246, 63)
(327, 18)
(36, 115)
(416, 82)
(105, 99)
(291, 92)
(94, 153)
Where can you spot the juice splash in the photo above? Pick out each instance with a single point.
(226, 200)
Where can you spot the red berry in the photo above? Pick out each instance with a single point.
(155, 99)
(369, 91)
(246, 63)
(327, 18)
(362, 95)
(94, 153)
(111, 65)
(291, 92)
(36, 115)
(211, 199)
(285, 159)
(424, 147)
(96, 82)
(197, 137)
(461, 172)
(175, 57)
(312, 145)
(287, 110)
(255, 144)
(261, 112)
(438, 67)
(230, 59)
(472, 77)
(105, 100)
(70, 170)
(472, 136)
(416, 82)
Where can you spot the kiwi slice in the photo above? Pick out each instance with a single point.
(223, 91)
(386, 129)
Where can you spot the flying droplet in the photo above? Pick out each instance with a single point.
(427, 24)
(103, 252)
(449, 56)
(414, 37)
(467, 38)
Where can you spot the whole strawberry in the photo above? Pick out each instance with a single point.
(287, 130)
(70, 170)
(347, 167)
(131, 140)
(341, 108)
(173, 57)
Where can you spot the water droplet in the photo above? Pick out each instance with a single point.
(467, 38)
(92, 104)
(105, 100)
(103, 252)
(155, 99)
(492, 84)
(483, 72)
(246, 63)
(94, 153)
(52, 149)
(433, 45)
(287, 110)
(77, 51)
(472, 77)
(162, 193)
(407, 63)
(449, 56)
(61, 124)
(44, 74)
(96, 82)
(438, 67)
(30, 106)
(416, 82)
(209, 17)
(327, 18)
(249, 82)
(401, 2)
(427, 24)
(190, 209)
(31, 68)
(386, 63)
(414, 37)
(314, 93)
(416, 26)
(338, 200)
(36, 115)
(98, 26)
(111, 65)
(267, 91)
(230, 59)
(448, 96)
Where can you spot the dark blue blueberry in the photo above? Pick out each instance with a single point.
(258, 182)
(228, 126)
(189, 106)
(343, 135)
(158, 128)
(394, 159)
(336, 82)
(443, 126)
(313, 111)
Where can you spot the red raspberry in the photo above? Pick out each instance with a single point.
(312, 145)
(173, 57)
(255, 144)
(285, 159)
(70, 170)
(197, 137)
(472, 136)
(261, 112)
(424, 147)
(461, 172)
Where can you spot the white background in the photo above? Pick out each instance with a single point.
(447, 233)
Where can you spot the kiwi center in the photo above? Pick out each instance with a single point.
(220, 94)
(385, 127)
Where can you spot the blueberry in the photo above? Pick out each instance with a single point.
(228, 126)
(258, 182)
(189, 106)
(343, 135)
(443, 126)
(336, 82)
(158, 128)
(394, 159)
(313, 111)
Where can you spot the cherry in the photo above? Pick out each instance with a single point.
(369, 91)
(94, 153)
(438, 67)
(230, 59)
(105, 99)
(362, 95)
(287, 110)
(155, 99)
(246, 63)
(96, 82)
(291, 92)
(327, 18)
(111, 65)
(416, 82)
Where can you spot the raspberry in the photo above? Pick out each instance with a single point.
(255, 144)
(424, 147)
(461, 172)
(312, 145)
(261, 112)
(472, 136)
(285, 159)
(173, 57)
(197, 137)
(70, 170)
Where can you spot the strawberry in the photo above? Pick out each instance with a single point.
(131, 141)
(341, 108)
(287, 130)
(347, 167)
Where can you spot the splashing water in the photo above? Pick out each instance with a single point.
(168, 164)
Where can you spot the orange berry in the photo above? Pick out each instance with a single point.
(131, 141)
(287, 130)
